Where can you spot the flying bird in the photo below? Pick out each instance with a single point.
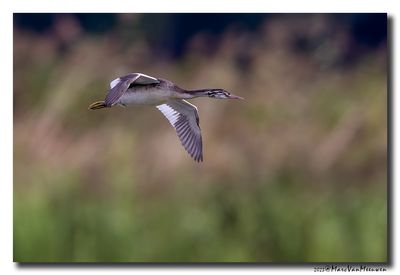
(141, 89)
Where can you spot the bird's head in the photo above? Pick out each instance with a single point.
(222, 94)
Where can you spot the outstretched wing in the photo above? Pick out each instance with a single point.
(184, 118)
(120, 85)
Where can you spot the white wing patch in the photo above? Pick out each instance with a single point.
(169, 113)
(139, 79)
(184, 118)
(146, 79)
(115, 82)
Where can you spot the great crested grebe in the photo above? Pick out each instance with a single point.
(141, 89)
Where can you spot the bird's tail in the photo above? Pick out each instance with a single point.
(97, 105)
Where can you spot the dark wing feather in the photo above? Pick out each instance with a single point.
(184, 117)
(120, 85)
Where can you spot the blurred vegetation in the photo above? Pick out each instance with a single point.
(295, 173)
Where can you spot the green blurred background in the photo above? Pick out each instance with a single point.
(295, 173)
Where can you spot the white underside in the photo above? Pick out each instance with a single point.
(145, 97)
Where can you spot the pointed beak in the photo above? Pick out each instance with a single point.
(235, 97)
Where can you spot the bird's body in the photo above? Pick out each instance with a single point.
(141, 89)
(150, 94)
(145, 96)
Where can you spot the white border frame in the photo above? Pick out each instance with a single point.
(6, 150)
